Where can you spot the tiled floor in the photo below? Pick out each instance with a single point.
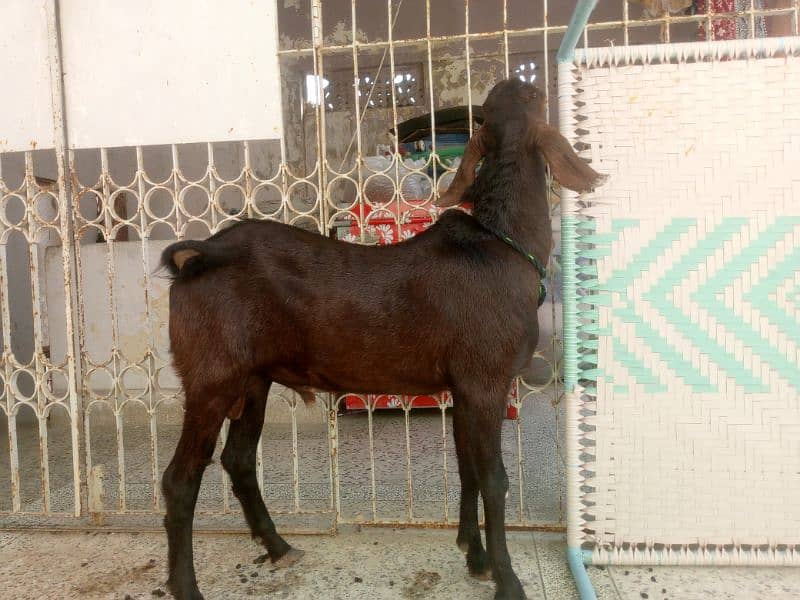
(542, 463)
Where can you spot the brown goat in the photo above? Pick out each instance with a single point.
(262, 302)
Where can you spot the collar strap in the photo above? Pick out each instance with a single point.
(529, 256)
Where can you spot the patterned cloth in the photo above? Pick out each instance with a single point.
(731, 28)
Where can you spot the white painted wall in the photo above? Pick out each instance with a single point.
(26, 115)
(141, 73)
(171, 72)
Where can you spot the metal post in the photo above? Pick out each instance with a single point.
(67, 241)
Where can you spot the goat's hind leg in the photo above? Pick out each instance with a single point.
(469, 535)
(239, 460)
(181, 484)
(494, 487)
(482, 416)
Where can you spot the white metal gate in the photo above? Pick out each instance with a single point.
(164, 123)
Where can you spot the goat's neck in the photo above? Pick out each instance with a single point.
(510, 195)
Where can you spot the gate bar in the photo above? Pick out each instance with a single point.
(61, 142)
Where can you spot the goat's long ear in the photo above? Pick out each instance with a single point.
(465, 174)
(569, 169)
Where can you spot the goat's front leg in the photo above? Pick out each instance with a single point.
(239, 460)
(181, 485)
(494, 486)
(469, 535)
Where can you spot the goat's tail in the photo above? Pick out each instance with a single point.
(188, 258)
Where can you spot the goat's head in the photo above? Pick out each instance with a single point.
(511, 106)
(515, 110)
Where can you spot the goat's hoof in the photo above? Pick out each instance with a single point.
(288, 559)
(465, 540)
(485, 575)
(514, 592)
(185, 592)
(510, 596)
(478, 565)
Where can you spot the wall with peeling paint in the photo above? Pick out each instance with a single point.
(449, 68)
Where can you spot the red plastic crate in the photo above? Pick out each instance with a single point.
(354, 402)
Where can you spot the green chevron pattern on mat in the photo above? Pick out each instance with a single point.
(771, 302)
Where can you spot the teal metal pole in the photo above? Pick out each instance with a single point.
(577, 565)
(580, 16)
(576, 557)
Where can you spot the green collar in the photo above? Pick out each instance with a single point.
(530, 257)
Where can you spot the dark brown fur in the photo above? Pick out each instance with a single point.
(453, 308)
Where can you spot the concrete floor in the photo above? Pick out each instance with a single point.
(354, 565)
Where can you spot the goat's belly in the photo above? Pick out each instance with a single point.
(361, 377)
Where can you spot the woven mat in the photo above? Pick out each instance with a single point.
(684, 329)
